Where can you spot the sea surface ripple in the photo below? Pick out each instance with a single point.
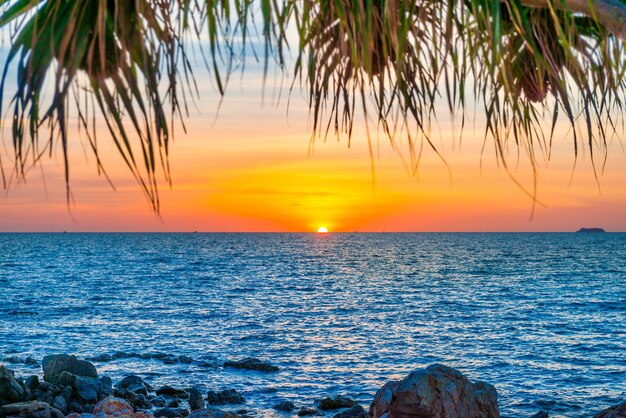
(540, 316)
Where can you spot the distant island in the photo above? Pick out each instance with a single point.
(590, 230)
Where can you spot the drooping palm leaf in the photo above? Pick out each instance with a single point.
(388, 59)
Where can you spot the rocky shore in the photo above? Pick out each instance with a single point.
(72, 388)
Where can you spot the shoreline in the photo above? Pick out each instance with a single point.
(72, 388)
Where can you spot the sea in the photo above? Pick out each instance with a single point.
(541, 316)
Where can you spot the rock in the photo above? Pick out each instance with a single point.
(54, 365)
(31, 382)
(356, 411)
(75, 407)
(251, 364)
(213, 413)
(29, 361)
(142, 415)
(66, 379)
(59, 403)
(436, 391)
(306, 411)
(196, 400)
(30, 410)
(10, 389)
(114, 407)
(540, 414)
(87, 388)
(134, 384)
(163, 401)
(67, 394)
(284, 406)
(171, 413)
(170, 391)
(106, 387)
(138, 389)
(615, 411)
(338, 402)
(159, 401)
(224, 397)
(141, 402)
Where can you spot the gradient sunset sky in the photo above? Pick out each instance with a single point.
(250, 169)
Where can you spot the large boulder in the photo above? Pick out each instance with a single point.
(54, 365)
(30, 410)
(616, 411)
(437, 391)
(10, 389)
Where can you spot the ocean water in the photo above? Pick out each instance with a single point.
(540, 316)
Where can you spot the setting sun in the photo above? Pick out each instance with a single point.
(322, 230)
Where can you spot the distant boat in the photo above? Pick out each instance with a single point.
(590, 230)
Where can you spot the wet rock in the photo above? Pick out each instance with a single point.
(59, 403)
(141, 402)
(163, 401)
(251, 364)
(10, 389)
(138, 389)
(540, 414)
(196, 400)
(31, 382)
(54, 365)
(30, 410)
(164, 357)
(436, 391)
(284, 406)
(29, 361)
(306, 411)
(89, 389)
(142, 414)
(224, 397)
(171, 413)
(338, 402)
(134, 384)
(75, 407)
(170, 391)
(106, 386)
(66, 379)
(213, 413)
(356, 411)
(68, 394)
(115, 407)
(615, 411)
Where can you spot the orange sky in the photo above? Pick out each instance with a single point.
(251, 171)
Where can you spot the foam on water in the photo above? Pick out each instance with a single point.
(540, 316)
